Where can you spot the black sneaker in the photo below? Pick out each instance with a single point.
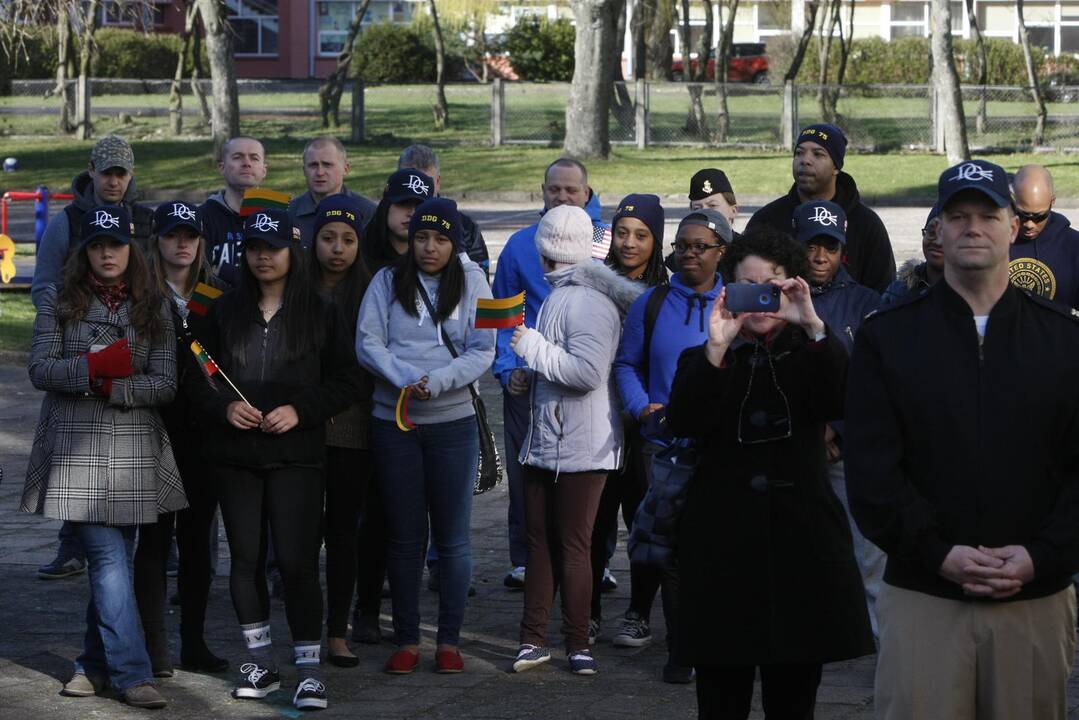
(310, 695)
(633, 633)
(256, 681)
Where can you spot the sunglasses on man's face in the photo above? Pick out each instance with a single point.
(1032, 217)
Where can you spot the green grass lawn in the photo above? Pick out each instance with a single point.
(16, 321)
(187, 165)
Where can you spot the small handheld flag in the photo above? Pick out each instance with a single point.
(202, 297)
(258, 199)
(401, 415)
(601, 243)
(500, 312)
(208, 366)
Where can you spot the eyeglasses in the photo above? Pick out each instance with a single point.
(764, 424)
(681, 248)
(1033, 217)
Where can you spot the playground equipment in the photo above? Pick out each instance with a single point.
(41, 198)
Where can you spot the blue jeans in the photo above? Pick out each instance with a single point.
(114, 645)
(428, 472)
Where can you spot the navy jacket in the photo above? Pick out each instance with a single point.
(1048, 265)
(842, 304)
(869, 251)
(910, 280)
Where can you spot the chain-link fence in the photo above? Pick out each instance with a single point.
(877, 118)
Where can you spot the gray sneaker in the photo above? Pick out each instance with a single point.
(80, 685)
(61, 568)
(144, 696)
(633, 633)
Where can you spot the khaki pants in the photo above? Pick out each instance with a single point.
(958, 660)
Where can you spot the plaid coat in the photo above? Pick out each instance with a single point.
(100, 459)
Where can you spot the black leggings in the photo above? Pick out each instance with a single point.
(289, 501)
(348, 473)
(371, 559)
(151, 556)
(788, 692)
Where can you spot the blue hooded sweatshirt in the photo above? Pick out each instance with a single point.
(1048, 265)
(519, 268)
(682, 323)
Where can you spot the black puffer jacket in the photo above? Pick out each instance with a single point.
(319, 385)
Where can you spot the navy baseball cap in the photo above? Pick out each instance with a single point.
(272, 226)
(106, 221)
(985, 177)
(176, 213)
(409, 185)
(820, 217)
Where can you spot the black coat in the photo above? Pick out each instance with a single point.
(869, 251)
(765, 555)
(318, 384)
(951, 442)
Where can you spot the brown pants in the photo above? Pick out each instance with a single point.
(559, 514)
(981, 660)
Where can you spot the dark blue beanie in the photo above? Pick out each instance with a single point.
(440, 215)
(828, 137)
(645, 208)
(338, 208)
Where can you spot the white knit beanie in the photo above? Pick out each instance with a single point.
(564, 235)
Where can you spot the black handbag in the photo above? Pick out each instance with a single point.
(653, 537)
(489, 471)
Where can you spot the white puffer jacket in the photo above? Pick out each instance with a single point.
(576, 423)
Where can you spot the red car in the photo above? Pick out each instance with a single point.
(749, 63)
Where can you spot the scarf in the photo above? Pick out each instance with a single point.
(112, 296)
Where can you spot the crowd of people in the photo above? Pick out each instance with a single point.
(869, 461)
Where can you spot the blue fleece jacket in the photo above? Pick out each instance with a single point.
(1048, 265)
(682, 323)
(519, 268)
(842, 304)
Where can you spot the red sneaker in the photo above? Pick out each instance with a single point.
(402, 662)
(448, 661)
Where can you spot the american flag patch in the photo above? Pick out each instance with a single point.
(601, 242)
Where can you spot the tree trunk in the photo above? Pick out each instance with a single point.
(588, 109)
(1032, 76)
(659, 50)
(226, 100)
(64, 69)
(84, 125)
(621, 101)
(643, 11)
(845, 43)
(981, 119)
(329, 95)
(192, 27)
(824, 56)
(176, 97)
(785, 129)
(946, 85)
(696, 120)
(723, 64)
(441, 109)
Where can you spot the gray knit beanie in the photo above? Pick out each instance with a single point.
(564, 235)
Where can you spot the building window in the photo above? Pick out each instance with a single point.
(773, 16)
(909, 19)
(118, 13)
(255, 24)
(334, 17)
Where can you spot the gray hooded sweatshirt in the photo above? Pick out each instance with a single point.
(400, 349)
(576, 423)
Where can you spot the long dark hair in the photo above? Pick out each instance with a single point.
(451, 284)
(347, 294)
(655, 272)
(304, 318)
(376, 244)
(76, 293)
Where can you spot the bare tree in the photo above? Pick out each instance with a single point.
(723, 64)
(226, 96)
(176, 97)
(828, 93)
(84, 123)
(441, 108)
(696, 120)
(621, 102)
(811, 9)
(946, 85)
(588, 109)
(192, 27)
(329, 95)
(1032, 76)
(643, 11)
(983, 68)
(65, 68)
(658, 50)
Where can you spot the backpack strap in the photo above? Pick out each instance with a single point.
(651, 314)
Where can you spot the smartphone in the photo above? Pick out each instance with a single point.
(752, 297)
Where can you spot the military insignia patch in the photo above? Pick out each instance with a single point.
(1033, 275)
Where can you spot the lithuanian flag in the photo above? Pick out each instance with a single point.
(500, 312)
(205, 361)
(258, 199)
(403, 423)
(202, 297)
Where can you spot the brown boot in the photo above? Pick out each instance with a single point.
(144, 696)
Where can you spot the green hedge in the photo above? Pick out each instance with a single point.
(905, 61)
(390, 53)
(541, 50)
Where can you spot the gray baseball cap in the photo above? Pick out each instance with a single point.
(112, 151)
(711, 219)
